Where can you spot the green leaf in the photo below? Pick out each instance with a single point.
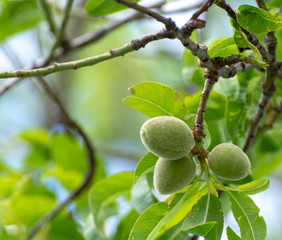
(229, 87)
(125, 225)
(174, 233)
(25, 209)
(252, 187)
(238, 36)
(103, 7)
(191, 71)
(217, 131)
(141, 195)
(38, 153)
(63, 227)
(155, 99)
(205, 218)
(246, 213)
(190, 120)
(231, 234)
(107, 190)
(70, 179)
(146, 164)
(215, 107)
(236, 109)
(257, 20)
(68, 153)
(267, 165)
(223, 47)
(207, 230)
(160, 217)
(18, 16)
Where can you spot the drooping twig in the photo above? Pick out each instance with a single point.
(90, 157)
(170, 25)
(48, 15)
(268, 89)
(134, 45)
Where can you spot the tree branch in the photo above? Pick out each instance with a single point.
(251, 37)
(170, 25)
(204, 8)
(198, 131)
(91, 162)
(268, 89)
(134, 45)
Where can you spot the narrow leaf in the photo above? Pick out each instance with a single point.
(160, 217)
(257, 20)
(156, 99)
(67, 152)
(206, 218)
(146, 164)
(106, 189)
(236, 108)
(125, 225)
(141, 195)
(246, 213)
(252, 187)
(175, 233)
(223, 47)
(207, 230)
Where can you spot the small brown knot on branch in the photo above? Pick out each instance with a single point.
(211, 75)
(191, 25)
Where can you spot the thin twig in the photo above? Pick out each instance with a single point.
(81, 41)
(61, 32)
(170, 25)
(94, 36)
(268, 89)
(134, 45)
(91, 162)
(204, 8)
(232, 70)
(48, 15)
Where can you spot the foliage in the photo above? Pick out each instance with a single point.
(237, 99)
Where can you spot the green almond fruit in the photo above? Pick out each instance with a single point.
(172, 176)
(167, 137)
(229, 162)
